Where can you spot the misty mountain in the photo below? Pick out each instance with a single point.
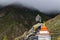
(1, 6)
(14, 20)
(22, 9)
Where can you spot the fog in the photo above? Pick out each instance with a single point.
(42, 5)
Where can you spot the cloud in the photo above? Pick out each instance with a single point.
(42, 5)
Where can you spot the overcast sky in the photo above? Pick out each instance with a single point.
(42, 5)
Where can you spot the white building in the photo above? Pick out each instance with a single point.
(44, 34)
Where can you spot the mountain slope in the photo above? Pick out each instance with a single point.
(14, 21)
(54, 27)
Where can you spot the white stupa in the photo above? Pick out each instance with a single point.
(44, 34)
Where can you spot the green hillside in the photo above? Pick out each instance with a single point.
(54, 27)
(15, 21)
